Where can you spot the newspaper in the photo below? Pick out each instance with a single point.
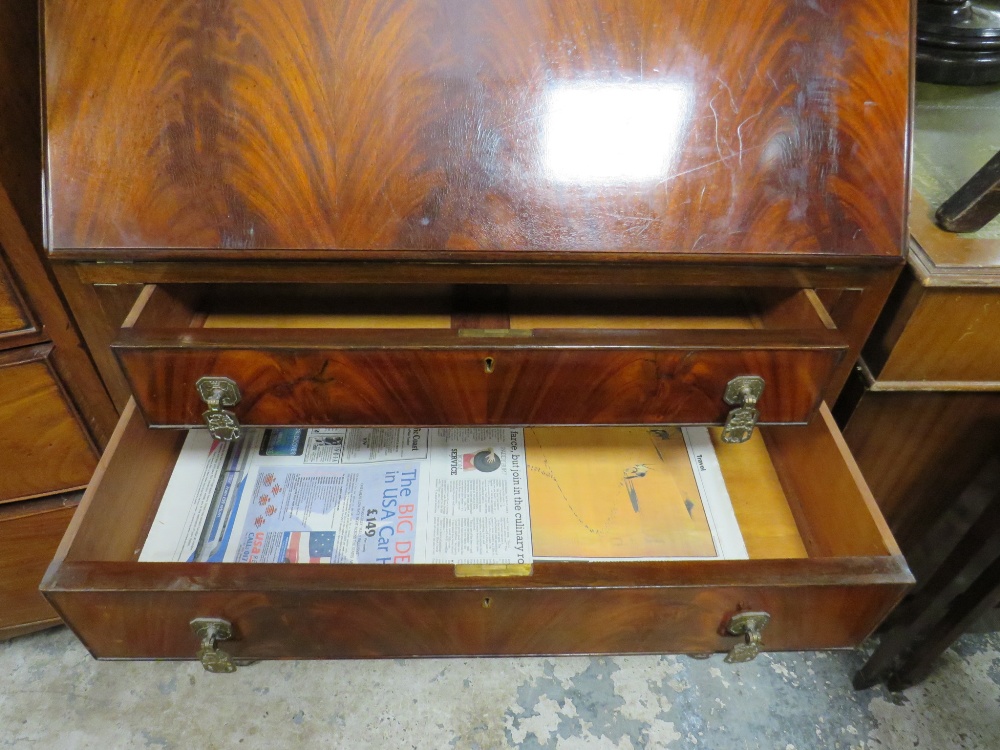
(346, 495)
(446, 495)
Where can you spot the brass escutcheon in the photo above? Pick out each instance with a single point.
(750, 625)
(210, 630)
(218, 392)
(743, 392)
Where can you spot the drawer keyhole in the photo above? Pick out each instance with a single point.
(488, 364)
(486, 603)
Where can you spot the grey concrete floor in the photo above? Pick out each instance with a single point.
(54, 695)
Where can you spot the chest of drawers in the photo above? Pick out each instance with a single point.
(54, 412)
(436, 212)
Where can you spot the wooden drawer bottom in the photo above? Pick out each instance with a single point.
(829, 589)
(29, 534)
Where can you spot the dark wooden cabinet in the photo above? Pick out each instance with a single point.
(923, 413)
(441, 212)
(54, 412)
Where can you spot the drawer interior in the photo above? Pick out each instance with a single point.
(795, 492)
(822, 564)
(470, 307)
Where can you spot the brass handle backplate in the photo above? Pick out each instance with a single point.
(218, 392)
(210, 630)
(743, 392)
(749, 625)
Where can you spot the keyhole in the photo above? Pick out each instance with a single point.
(486, 603)
(488, 364)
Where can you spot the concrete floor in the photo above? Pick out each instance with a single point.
(54, 695)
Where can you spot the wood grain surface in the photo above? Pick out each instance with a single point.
(44, 444)
(950, 335)
(29, 534)
(282, 622)
(21, 112)
(918, 451)
(425, 380)
(474, 129)
(121, 608)
(939, 336)
(15, 320)
(21, 224)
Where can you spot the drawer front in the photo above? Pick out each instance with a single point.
(949, 338)
(527, 385)
(14, 316)
(43, 444)
(29, 534)
(487, 621)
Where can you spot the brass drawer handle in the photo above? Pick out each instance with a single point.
(218, 392)
(751, 626)
(743, 392)
(210, 630)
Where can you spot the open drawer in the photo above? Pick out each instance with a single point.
(823, 565)
(430, 355)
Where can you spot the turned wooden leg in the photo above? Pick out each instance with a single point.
(974, 204)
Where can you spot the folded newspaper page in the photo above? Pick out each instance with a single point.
(346, 495)
(445, 495)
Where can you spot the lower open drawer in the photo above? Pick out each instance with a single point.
(822, 564)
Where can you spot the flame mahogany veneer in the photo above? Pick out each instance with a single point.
(244, 145)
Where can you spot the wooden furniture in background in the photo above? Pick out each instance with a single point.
(922, 415)
(976, 203)
(686, 191)
(924, 411)
(961, 552)
(958, 42)
(54, 411)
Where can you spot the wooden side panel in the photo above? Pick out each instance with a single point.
(114, 529)
(117, 300)
(96, 310)
(814, 461)
(29, 535)
(502, 385)
(471, 128)
(69, 360)
(21, 112)
(15, 319)
(890, 323)
(45, 446)
(951, 335)
(918, 451)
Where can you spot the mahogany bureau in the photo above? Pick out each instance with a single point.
(618, 209)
